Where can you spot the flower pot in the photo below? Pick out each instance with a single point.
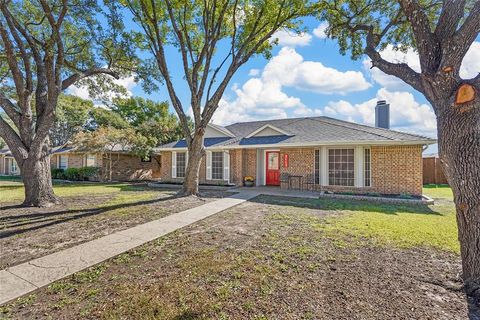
(248, 183)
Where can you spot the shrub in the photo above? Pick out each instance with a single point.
(58, 173)
(72, 174)
(88, 172)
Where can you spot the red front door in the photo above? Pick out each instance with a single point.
(273, 168)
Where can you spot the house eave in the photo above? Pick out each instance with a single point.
(313, 144)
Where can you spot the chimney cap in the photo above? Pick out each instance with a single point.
(381, 102)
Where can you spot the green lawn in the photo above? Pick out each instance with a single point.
(407, 226)
(438, 191)
(404, 226)
(12, 190)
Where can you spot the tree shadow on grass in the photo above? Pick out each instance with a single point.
(346, 205)
(46, 219)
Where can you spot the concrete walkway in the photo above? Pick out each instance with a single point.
(29, 276)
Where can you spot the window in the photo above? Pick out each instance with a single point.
(317, 166)
(62, 162)
(367, 167)
(91, 160)
(13, 166)
(181, 164)
(217, 165)
(341, 168)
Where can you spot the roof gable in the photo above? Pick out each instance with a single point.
(268, 130)
(215, 131)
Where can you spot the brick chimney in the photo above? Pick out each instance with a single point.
(382, 115)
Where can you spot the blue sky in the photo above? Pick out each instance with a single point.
(306, 77)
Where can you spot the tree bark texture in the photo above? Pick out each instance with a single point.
(195, 154)
(459, 147)
(35, 171)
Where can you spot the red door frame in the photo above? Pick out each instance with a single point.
(272, 179)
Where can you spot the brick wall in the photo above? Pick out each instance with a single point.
(129, 167)
(166, 170)
(249, 162)
(236, 166)
(126, 167)
(397, 169)
(394, 169)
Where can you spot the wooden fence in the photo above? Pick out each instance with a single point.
(433, 172)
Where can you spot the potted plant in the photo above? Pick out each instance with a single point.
(249, 181)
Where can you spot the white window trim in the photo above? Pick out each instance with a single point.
(174, 163)
(226, 165)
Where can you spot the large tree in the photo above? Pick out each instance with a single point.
(70, 118)
(213, 39)
(47, 46)
(441, 32)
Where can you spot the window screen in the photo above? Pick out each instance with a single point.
(341, 168)
(217, 165)
(181, 164)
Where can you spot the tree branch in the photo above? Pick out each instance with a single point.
(87, 73)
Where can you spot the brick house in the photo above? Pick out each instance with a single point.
(126, 166)
(8, 165)
(315, 153)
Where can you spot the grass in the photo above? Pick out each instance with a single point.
(438, 191)
(404, 226)
(12, 190)
(225, 268)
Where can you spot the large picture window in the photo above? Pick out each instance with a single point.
(367, 173)
(181, 164)
(217, 165)
(341, 167)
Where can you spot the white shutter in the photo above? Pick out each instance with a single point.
(209, 165)
(174, 164)
(226, 166)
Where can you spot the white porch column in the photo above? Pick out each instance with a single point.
(359, 166)
(324, 166)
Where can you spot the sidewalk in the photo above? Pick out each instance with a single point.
(29, 276)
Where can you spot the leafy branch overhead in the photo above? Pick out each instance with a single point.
(213, 38)
(440, 31)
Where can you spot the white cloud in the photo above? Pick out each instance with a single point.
(290, 69)
(470, 65)
(319, 31)
(263, 97)
(292, 39)
(127, 83)
(406, 114)
(471, 62)
(254, 72)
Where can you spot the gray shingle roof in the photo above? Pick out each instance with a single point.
(310, 130)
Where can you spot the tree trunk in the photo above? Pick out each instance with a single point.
(459, 147)
(195, 154)
(37, 178)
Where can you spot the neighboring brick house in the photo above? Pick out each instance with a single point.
(8, 165)
(317, 153)
(125, 166)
